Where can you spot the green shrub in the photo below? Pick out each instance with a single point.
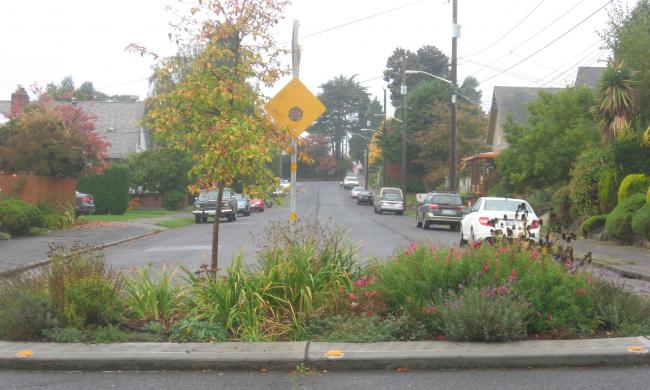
(192, 330)
(57, 216)
(153, 299)
(561, 204)
(619, 221)
(64, 335)
(110, 190)
(637, 183)
(364, 329)
(24, 309)
(607, 190)
(620, 309)
(584, 180)
(109, 334)
(17, 217)
(83, 292)
(641, 222)
(484, 315)
(631, 156)
(3, 235)
(592, 224)
(174, 199)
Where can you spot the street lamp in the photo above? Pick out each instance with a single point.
(452, 138)
(365, 168)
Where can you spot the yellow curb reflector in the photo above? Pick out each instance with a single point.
(292, 216)
(24, 353)
(294, 167)
(636, 349)
(334, 354)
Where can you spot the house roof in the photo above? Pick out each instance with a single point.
(512, 102)
(117, 122)
(589, 76)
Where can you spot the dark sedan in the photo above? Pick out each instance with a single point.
(84, 204)
(364, 196)
(445, 208)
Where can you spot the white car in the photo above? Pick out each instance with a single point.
(355, 192)
(350, 182)
(491, 217)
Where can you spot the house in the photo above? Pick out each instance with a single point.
(117, 122)
(511, 103)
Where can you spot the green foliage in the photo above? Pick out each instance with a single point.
(637, 183)
(17, 217)
(83, 292)
(66, 90)
(641, 222)
(619, 221)
(620, 309)
(364, 329)
(110, 190)
(57, 216)
(592, 224)
(631, 156)
(193, 330)
(109, 334)
(480, 315)
(607, 190)
(24, 309)
(64, 335)
(561, 205)
(542, 152)
(174, 200)
(541, 200)
(153, 298)
(583, 186)
(4, 236)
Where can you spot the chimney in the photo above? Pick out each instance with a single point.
(19, 100)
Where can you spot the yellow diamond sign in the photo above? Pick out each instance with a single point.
(295, 107)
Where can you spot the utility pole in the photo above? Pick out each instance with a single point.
(403, 91)
(454, 90)
(383, 180)
(295, 68)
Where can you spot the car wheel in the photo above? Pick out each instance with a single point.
(426, 225)
(463, 242)
(418, 224)
(472, 236)
(379, 211)
(231, 217)
(197, 219)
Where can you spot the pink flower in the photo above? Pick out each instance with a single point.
(503, 249)
(411, 248)
(353, 297)
(590, 280)
(535, 254)
(502, 290)
(513, 276)
(569, 265)
(453, 252)
(476, 244)
(361, 282)
(429, 309)
(486, 268)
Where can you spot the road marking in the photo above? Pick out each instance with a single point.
(180, 248)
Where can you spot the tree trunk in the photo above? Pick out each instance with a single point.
(215, 232)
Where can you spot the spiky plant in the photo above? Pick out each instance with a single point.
(617, 101)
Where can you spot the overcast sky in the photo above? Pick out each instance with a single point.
(45, 40)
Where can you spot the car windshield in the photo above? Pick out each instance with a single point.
(239, 197)
(212, 195)
(453, 200)
(504, 205)
(358, 189)
(393, 197)
(351, 178)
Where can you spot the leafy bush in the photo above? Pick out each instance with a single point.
(584, 180)
(110, 190)
(621, 309)
(83, 292)
(174, 199)
(192, 330)
(619, 221)
(637, 183)
(57, 216)
(641, 222)
(17, 217)
(364, 329)
(592, 224)
(24, 309)
(631, 156)
(3, 235)
(153, 299)
(561, 204)
(64, 335)
(607, 190)
(484, 315)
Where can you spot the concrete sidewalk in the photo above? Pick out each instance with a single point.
(629, 261)
(330, 356)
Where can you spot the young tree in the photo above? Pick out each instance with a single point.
(163, 170)
(212, 112)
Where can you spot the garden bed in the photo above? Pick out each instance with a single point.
(313, 288)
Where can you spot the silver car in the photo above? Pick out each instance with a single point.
(355, 192)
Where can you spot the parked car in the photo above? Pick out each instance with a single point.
(445, 208)
(243, 204)
(491, 217)
(365, 196)
(350, 182)
(389, 199)
(285, 184)
(205, 205)
(355, 192)
(84, 203)
(258, 204)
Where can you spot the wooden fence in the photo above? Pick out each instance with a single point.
(38, 189)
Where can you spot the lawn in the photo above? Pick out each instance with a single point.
(128, 216)
(176, 223)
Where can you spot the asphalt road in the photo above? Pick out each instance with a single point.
(374, 235)
(530, 379)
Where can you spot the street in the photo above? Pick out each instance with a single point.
(576, 379)
(374, 235)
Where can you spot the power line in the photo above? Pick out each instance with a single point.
(551, 42)
(515, 74)
(589, 50)
(534, 35)
(586, 60)
(509, 31)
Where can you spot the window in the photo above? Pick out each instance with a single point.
(505, 205)
(453, 200)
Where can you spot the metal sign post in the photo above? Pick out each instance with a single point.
(295, 68)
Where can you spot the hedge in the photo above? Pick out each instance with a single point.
(636, 183)
(17, 217)
(619, 222)
(591, 224)
(641, 222)
(110, 190)
(607, 190)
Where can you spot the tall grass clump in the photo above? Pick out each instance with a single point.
(25, 310)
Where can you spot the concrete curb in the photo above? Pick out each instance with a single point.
(40, 263)
(330, 356)
(624, 272)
